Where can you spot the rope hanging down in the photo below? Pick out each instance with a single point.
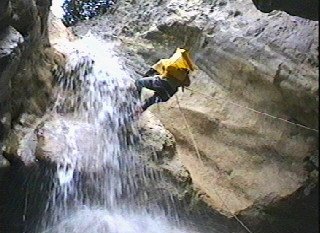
(189, 130)
(199, 156)
(256, 111)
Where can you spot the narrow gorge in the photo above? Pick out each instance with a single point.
(236, 151)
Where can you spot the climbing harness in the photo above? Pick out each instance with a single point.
(199, 156)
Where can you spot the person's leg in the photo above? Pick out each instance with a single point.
(153, 83)
(152, 100)
(163, 90)
(157, 98)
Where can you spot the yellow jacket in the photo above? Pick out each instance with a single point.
(177, 67)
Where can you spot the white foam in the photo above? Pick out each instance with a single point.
(56, 8)
(102, 221)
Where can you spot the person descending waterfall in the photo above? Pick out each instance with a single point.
(165, 77)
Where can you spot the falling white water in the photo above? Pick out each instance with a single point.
(56, 8)
(104, 221)
(101, 184)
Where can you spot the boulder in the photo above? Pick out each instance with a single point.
(54, 140)
(20, 147)
(63, 140)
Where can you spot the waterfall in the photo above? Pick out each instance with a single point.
(103, 187)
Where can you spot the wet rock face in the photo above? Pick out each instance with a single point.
(5, 14)
(24, 16)
(10, 55)
(306, 9)
(53, 141)
(266, 62)
(30, 19)
(25, 60)
(63, 141)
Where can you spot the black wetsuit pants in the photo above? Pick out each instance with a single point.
(161, 87)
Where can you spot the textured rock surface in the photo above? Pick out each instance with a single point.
(25, 60)
(20, 145)
(68, 141)
(268, 62)
(5, 11)
(159, 147)
(10, 55)
(307, 9)
(54, 140)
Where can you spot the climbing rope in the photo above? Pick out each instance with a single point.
(190, 132)
(256, 111)
(199, 156)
